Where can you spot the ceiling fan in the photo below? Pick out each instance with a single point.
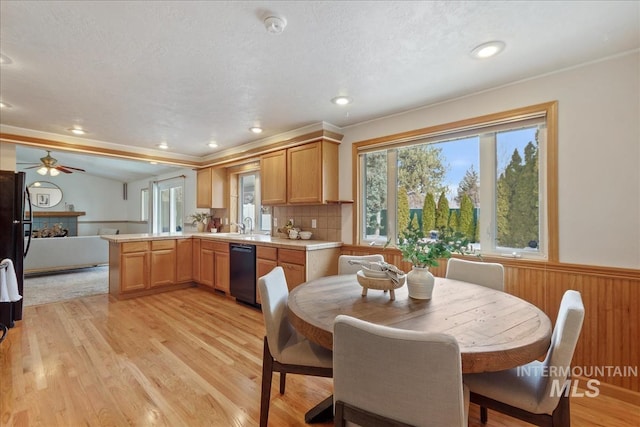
(50, 165)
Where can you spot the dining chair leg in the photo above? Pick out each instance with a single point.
(483, 415)
(561, 416)
(267, 374)
(283, 380)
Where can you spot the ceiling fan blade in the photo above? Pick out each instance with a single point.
(33, 167)
(63, 169)
(27, 163)
(75, 169)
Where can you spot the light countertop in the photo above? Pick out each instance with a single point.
(252, 239)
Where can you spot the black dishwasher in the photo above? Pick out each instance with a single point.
(242, 272)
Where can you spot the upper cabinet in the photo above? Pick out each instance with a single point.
(307, 175)
(273, 173)
(210, 188)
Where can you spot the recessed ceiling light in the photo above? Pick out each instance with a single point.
(163, 146)
(77, 131)
(5, 60)
(255, 129)
(487, 50)
(341, 100)
(5, 105)
(275, 24)
(153, 163)
(213, 144)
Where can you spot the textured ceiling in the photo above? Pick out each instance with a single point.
(136, 73)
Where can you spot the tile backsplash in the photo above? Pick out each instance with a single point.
(328, 220)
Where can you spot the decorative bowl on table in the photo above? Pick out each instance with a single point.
(382, 284)
(374, 271)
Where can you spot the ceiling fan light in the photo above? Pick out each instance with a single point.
(54, 172)
(42, 171)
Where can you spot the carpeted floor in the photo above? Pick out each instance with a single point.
(64, 285)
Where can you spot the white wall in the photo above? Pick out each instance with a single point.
(598, 153)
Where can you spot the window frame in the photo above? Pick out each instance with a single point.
(548, 213)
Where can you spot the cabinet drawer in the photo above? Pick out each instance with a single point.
(157, 245)
(292, 256)
(265, 252)
(135, 247)
(207, 244)
(221, 247)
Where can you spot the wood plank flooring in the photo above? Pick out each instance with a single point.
(182, 358)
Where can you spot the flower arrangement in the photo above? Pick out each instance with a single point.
(198, 217)
(423, 251)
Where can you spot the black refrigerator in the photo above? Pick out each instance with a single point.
(15, 228)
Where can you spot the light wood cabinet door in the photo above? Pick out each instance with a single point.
(263, 266)
(294, 273)
(134, 273)
(304, 174)
(207, 266)
(163, 267)
(273, 178)
(203, 188)
(184, 263)
(210, 188)
(195, 255)
(222, 281)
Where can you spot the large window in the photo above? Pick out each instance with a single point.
(485, 177)
(250, 210)
(168, 205)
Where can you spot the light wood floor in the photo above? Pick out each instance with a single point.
(184, 358)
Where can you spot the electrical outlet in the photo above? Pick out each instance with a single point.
(275, 221)
(314, 224)
(291, 221)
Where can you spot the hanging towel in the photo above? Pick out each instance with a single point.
(8, 283)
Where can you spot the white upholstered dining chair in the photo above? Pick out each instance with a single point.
(345, 268)
(285, 351)
(535, 392)
(487, 274)
(385, 376)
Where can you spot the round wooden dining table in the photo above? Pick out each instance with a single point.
(495, 330)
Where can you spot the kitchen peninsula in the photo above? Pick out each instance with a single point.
(144, 264)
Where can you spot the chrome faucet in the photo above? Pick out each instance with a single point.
(244, 227)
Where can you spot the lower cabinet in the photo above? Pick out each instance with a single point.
(207, 264)
(184, 263)
(221, 276)
(266, 260)
(214, 265)
(134, 267)
(143, 267)
(163, 263)
(294, 265)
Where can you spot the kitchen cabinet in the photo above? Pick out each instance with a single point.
(221, 274)
(273, 176)
(163, 263)
(184, 264)
(134, 267)
(144, 267)
(305, 174)
(293, 263)
(312, 173)
(214, 265)
(210, 187)
(195, 257)
(266, 260)
(207, 263)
